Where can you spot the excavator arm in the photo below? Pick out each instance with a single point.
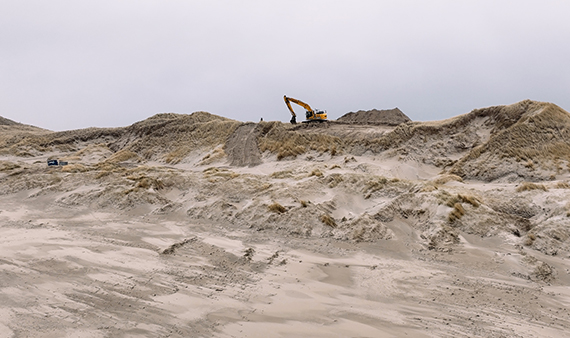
(293, 115)
(288, 101)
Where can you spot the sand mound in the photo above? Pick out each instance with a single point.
(391, 117)
(522, 141)
(7, 122)
(529, 140)
(172, 137)
(163, 137)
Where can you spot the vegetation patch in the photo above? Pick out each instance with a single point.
(214, 172)
(469, 199)
(334, 180)
(316, 172)
(248, 254)
(7, 166)
(447, 178)
(451, 201)
(526, 186)
(529, 240)
(75, 168)
(277, 139)
(172, 249)
(282, 174)
(376, 184)
(176, 155)
(526, 136)
(349, 159)
(277, 208)
(328, 220)
(457, 212)
(122, 156)
(215, 155)
(145, 182)
(428, 188)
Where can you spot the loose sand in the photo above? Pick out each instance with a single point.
(232, 242)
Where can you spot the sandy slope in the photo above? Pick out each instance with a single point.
(75, 271)
(225, 240)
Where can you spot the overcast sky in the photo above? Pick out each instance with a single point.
(106, 63)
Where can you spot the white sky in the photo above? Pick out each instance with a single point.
(106, 63)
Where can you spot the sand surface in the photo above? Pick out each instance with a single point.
(231, 241)
(75, 272)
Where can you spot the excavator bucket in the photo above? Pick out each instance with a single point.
(293, 120)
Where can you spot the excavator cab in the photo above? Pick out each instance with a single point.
(317, 115)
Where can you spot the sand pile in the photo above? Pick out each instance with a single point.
(391, 117)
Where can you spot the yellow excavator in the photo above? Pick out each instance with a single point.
(310, 114)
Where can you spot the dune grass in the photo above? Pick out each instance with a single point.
(328, 220)
(457, 212)
(275, 138)
(441, 180)
(215, 155)
(277, 208)
(75, 168)
(7, 166)
(534, 135)
(122, 156)
(374, 185)
(316, 172)
(282, 174)
(527, 186)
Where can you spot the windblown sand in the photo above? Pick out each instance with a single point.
(378, 231)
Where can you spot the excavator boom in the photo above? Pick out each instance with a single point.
(293, 115)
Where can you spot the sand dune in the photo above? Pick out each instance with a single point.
(200, 226)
